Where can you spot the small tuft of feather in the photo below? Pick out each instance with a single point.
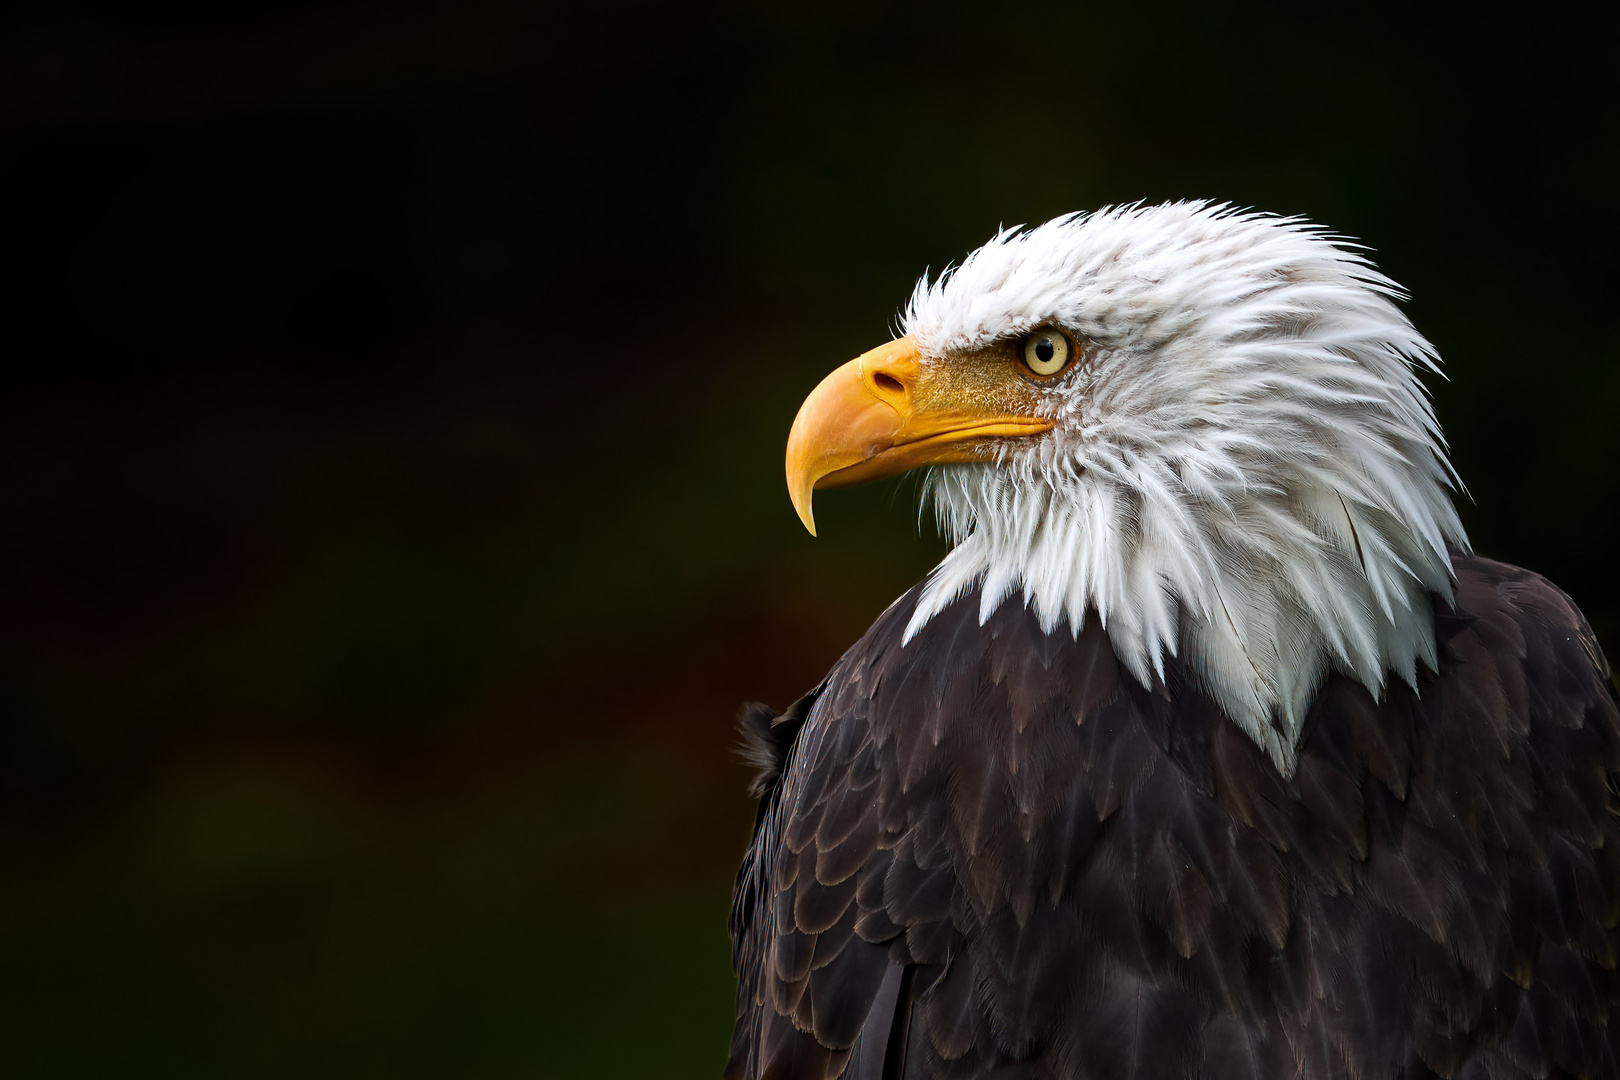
(765, 745)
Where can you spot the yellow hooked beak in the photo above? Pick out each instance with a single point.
(867, 421)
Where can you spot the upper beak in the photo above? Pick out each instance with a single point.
(864, 423)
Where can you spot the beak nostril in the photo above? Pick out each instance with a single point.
(888, 383)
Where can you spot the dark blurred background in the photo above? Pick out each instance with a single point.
(391, 512)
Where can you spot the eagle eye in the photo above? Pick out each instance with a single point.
(1046, 352)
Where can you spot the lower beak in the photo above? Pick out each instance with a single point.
(863, 423)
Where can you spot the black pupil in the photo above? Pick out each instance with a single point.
(1044, 350)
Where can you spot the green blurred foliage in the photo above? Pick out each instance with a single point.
(391, 513)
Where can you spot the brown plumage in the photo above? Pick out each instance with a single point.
(993, 852)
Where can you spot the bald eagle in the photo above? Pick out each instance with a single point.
(1209, 750)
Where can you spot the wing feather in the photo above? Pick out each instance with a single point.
(992, 852)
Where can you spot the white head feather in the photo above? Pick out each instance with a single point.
(1246, 471)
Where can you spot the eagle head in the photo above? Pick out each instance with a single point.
(1201, 426)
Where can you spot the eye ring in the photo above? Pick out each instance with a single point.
(1046, 352)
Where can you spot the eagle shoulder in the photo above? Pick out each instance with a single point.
(991, 849)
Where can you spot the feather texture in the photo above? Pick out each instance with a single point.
(1245, 471)
(998, 851)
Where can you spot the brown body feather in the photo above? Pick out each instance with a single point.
(991, 852)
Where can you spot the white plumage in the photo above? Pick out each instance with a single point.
(1246, 470)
